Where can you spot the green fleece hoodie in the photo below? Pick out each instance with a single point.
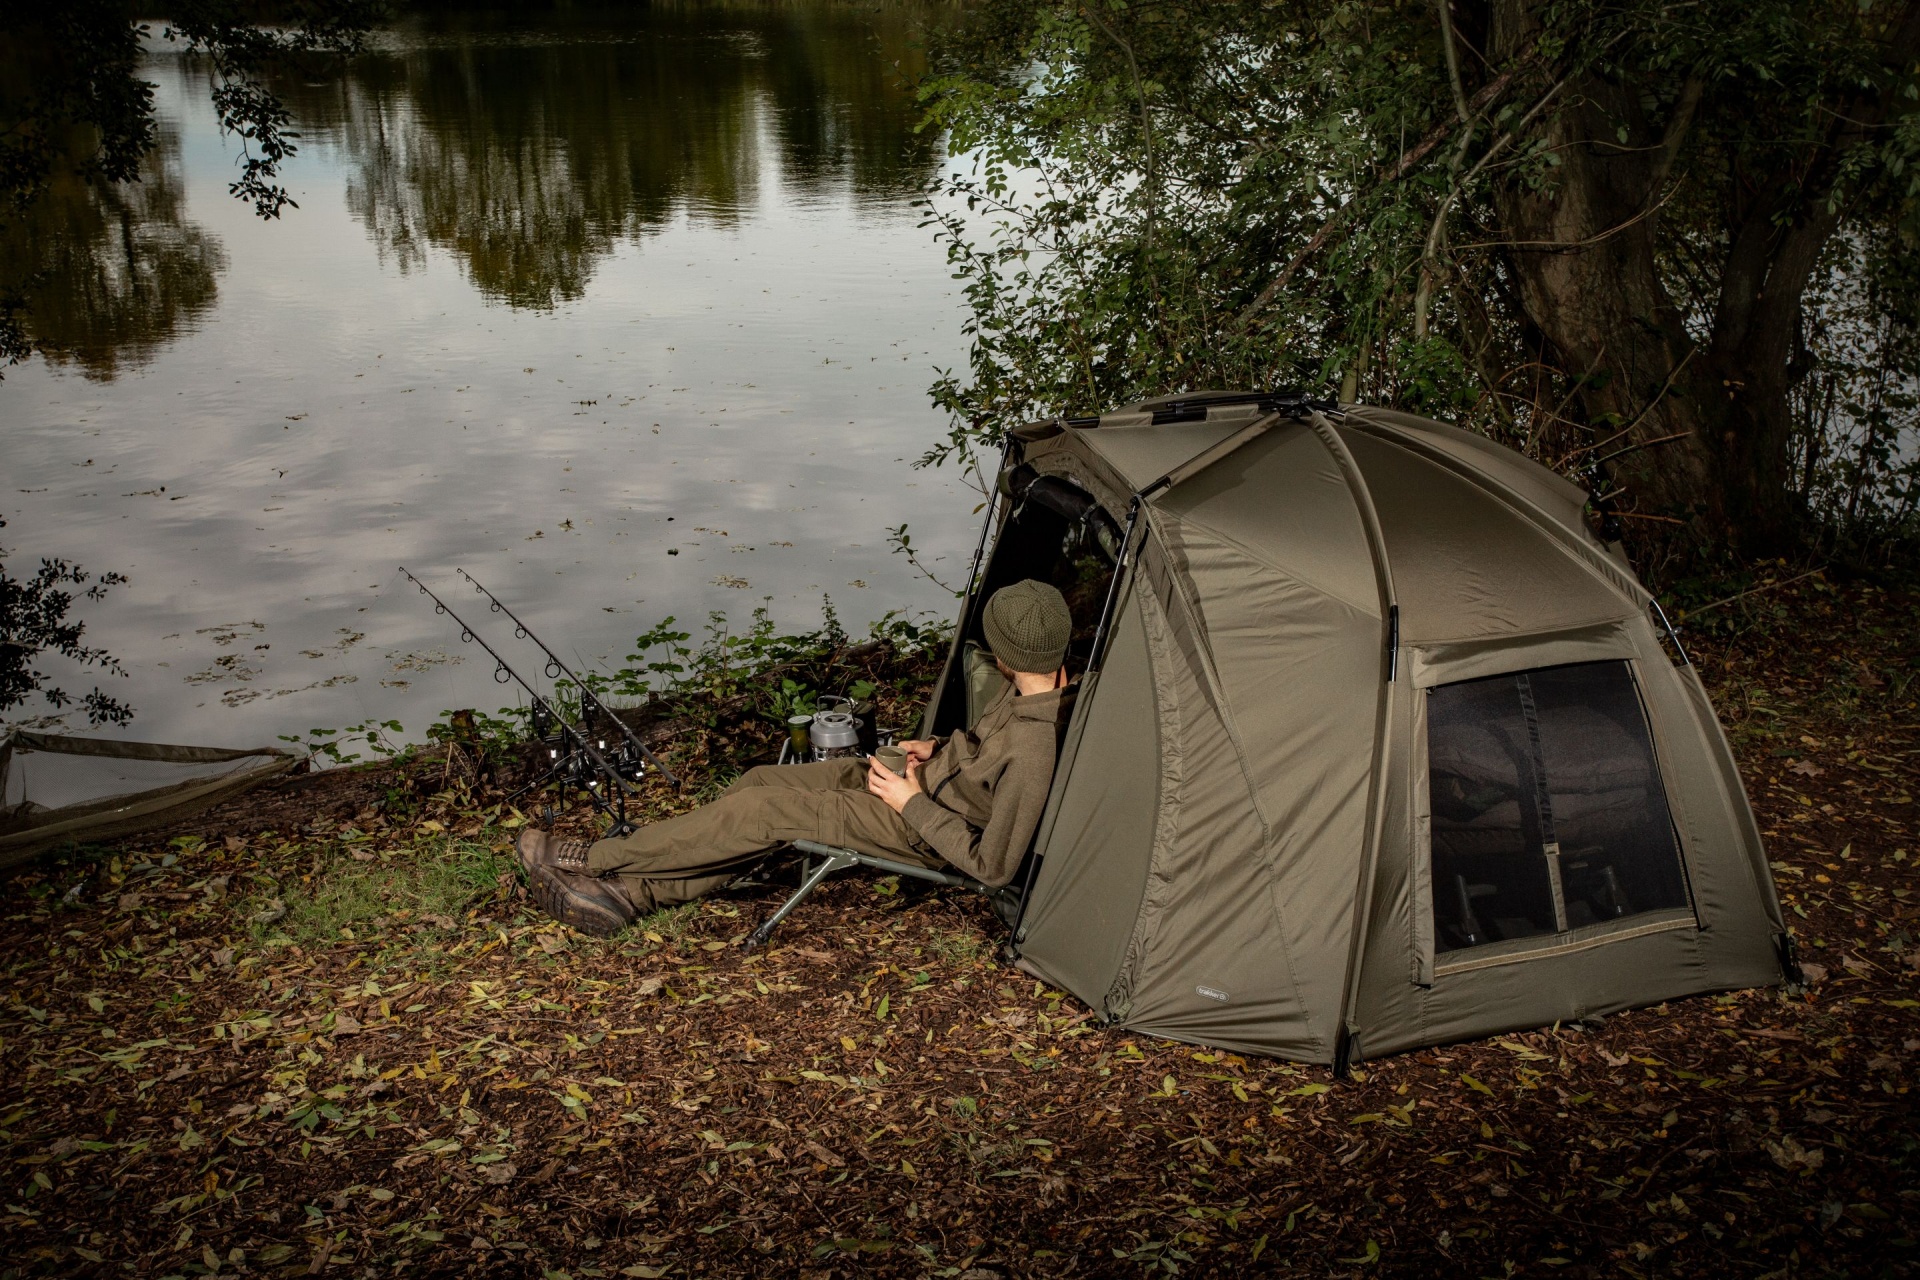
(984, 789)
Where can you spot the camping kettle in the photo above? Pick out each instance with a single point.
(835, 734)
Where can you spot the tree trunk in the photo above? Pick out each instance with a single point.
(1687, 432)
(1705, 426)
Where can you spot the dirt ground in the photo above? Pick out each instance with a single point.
(320, 1032)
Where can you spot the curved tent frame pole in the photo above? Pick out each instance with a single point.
(1346, 1050)
(1672, 635)
(1098, 652)
(986, 527)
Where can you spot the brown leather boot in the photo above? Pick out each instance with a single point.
(588, 902)
(535, 848)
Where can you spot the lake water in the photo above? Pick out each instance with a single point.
(628, 317)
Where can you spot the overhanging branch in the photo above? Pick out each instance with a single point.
(1405, 165)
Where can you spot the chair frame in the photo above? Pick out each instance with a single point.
(834, 859)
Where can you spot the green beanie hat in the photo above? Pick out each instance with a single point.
(1027, 626)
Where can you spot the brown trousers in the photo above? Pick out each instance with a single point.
(696, 853)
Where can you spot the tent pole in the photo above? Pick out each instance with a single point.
(1671, 634)
(1346, 1037)
(1099, 647)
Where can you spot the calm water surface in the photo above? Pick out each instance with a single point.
(557, 303)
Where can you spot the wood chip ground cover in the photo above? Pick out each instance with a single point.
(321, 1032)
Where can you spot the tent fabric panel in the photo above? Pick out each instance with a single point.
(1553, 493)
(1731, 885)
(1467, 565)
(127, 815)
(1208, 962)
(1303, 675)
(1071, 456)
(1566, 526)
(119, 749)
(1398, 948)
(1621, 971)
(1260, 872)
(1099, 837)
(1142, 454)
(1285, 502)
(1733, 792)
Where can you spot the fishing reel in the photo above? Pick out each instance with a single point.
(550, 733)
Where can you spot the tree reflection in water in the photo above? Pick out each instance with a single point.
(529, 147)
(110, 273)
(532, 152)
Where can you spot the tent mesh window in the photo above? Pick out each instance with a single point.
(1548, 810)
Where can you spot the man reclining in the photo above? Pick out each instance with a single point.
(972, 799)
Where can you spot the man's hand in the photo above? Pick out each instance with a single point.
(893, 789)
(919, 750)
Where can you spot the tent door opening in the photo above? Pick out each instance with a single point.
(1057, 533)
(1549, 814)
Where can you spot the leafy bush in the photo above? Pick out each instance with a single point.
(33, 621)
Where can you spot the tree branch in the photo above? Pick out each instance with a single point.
(1405, 165)
(1146, 120)
(1430, 252)
(1683, 111)
(1777, 248)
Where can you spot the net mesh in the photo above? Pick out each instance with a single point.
(57, 790)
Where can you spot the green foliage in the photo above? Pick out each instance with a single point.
(726, 662)
(1169, 195)
(490, 739)
(74, 113)
(902, 544)
(792, 699)
(74, 70)
(34, 621)
(336, 745)
(670, 923)
(697, 681)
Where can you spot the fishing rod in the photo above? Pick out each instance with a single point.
(582, 763)
(591, 708)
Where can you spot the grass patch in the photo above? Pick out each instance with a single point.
(957, 946)
(427, 888)
(671, 923)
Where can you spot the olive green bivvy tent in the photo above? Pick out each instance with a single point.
(1378, 745)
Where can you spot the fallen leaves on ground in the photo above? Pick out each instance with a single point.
(242, 1049)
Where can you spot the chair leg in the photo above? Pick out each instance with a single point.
(831, 863)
